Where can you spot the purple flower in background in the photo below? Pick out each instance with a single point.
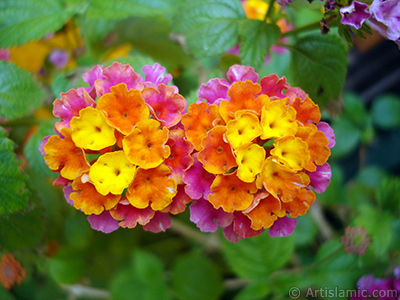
(369, 287)
(330, 5)
(388, 13)
(5, 54)
(284, 3)
(355, 240)
(59, 58)
(355, 14)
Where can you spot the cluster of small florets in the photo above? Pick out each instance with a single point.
(249, 155)
(129, 126)
(259, 148)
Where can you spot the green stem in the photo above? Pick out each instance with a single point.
(311, 26)
(269, 11)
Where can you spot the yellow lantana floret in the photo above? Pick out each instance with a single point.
(278, 120)
(91, 131)
(250, 162)
(112, 173)
(292, 151)
(243, 129)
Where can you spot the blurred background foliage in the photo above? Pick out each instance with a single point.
(65, 259)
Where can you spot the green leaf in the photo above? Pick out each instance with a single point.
(378, 225)
(195, 277)
(143, 279)
(318, 66)
(335, 193)
(32, 153)
(24, 20)
(210, 27)
(13, 192)
(333, 268)
(256, 290)
(258, 257)
(21, 230)
(354, 110)
(68, 265)
(257, 38)
(19, 93)
(122, 9)
(150, 270)
(154, 41)
(386, 112)
(77, 230)
(305, 231)
(60, 85)
(388, 194)
(347, 135)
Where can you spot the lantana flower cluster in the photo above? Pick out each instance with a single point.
(260, 148)
(249, 154)
(119, 149)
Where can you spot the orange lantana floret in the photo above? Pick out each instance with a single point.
(123, 109)
(317, 146)
(152, 187)
(199, 121)
(280, 181)
(263, 214)
(146, 145)
(307, 110)
(230, 193)
(11, 271)
(300, 204)
(242, 96)
(87, 199)
(63, 154)
(217, 156)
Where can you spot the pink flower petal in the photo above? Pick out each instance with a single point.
(215, 89)
(61, 181)
(241, 225)
(179, 160)
(103, 222)
(44, 142)
(155, 74)
(129, 215)
(207, 218)
(230, 234)
(165, 104)
(273, 86)
(115, 74)
(321, 178)
(198, 181)
(67, 192)
(160, 222)
(282, 227)
(69, 106)
(295, 92)
(180, 201)
(241, 73)
(330, 135)
(91, 77)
